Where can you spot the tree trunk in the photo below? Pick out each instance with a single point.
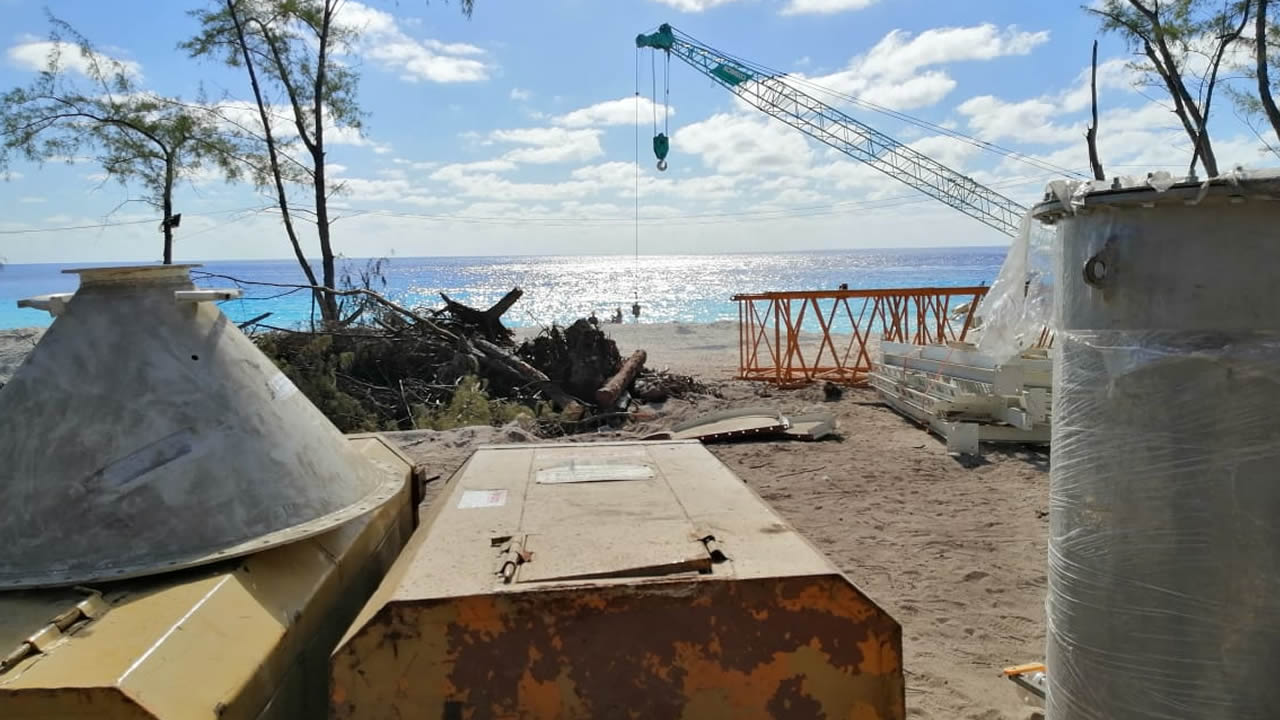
(273, 157)
(1091, 137)
(608, 394)
(329, 308)
(1264, 81)
(489, 322)
(166, 225)
(500, 359)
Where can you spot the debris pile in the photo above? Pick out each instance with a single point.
(405, 369)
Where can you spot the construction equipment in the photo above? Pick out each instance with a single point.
(772, 94)
(1163, 565)
(248, 638)
(965, 396)
(614, 580)
(149, 418)
(794, 338)
(146, 435)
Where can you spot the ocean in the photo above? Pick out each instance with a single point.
(560, 289)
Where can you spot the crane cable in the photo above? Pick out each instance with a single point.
(635, 269)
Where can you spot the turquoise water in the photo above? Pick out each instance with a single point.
(670, 288)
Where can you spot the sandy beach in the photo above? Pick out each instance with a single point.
(954, 551)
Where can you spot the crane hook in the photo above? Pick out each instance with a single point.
(661, 145)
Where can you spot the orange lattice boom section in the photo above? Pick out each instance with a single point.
(793, 338)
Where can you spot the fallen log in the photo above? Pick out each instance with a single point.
(489, 322)
(608, 393)
(502, 360)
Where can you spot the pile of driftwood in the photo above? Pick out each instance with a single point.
(401, 368)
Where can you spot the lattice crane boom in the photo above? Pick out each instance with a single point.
(772, 95)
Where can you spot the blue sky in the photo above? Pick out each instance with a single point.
(513, 132)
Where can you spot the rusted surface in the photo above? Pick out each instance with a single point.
(797, 647)
(794, 338)
(74, 703)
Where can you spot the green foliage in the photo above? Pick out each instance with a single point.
(1180, 45)
(313, 366)
(470, 406)
(139, 138)
(291, 45)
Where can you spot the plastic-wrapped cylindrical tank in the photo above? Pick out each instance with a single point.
(1164, 548)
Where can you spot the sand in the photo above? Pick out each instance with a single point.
(955, 552)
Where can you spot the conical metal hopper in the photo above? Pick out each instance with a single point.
(146, 433)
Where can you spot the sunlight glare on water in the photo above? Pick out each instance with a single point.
(670, 288)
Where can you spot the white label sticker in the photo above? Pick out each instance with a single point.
(482, 499)
(593, 473)
(281, 386)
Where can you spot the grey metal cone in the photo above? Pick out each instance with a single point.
(147, 434)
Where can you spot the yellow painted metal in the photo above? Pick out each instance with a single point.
(613, 580)
(248, 638)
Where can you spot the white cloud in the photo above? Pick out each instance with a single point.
(694, 5)
(521, 95)
(613, 112)
(455, 172)
(898, 55)
(922, 90)
(550, 145)
(737, 143)
(35, 55)
(383, 41)
(1025, 121)
(895, 71)
(950, 151)
(824, 7)
(390, 190)
(244, 114)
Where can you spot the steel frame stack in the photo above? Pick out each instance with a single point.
(778, 331)
(967, 397)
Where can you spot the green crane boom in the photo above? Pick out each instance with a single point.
(773, 95)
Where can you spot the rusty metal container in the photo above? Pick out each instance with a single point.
(246, 638)
(614, 580)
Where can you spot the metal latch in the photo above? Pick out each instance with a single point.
(66, 622)
(713, 549)
(511, 555)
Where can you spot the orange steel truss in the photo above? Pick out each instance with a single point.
(787, 338)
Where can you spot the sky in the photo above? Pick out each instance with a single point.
(514, 132)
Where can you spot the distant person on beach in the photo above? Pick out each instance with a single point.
(595, 322)
(635, 310)
(617, 316)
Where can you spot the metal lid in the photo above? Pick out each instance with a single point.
(146, 433)
(1067, 197)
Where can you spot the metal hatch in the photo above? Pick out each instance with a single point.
(610, 514)
(499, 603)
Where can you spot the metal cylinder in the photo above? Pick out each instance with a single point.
(1164, 546)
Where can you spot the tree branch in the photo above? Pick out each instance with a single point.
(1091, 137)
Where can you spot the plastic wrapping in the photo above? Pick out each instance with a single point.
(1164, 547)
(1019, 305)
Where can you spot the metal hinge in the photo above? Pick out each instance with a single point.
(66, 622)
(511, 555)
